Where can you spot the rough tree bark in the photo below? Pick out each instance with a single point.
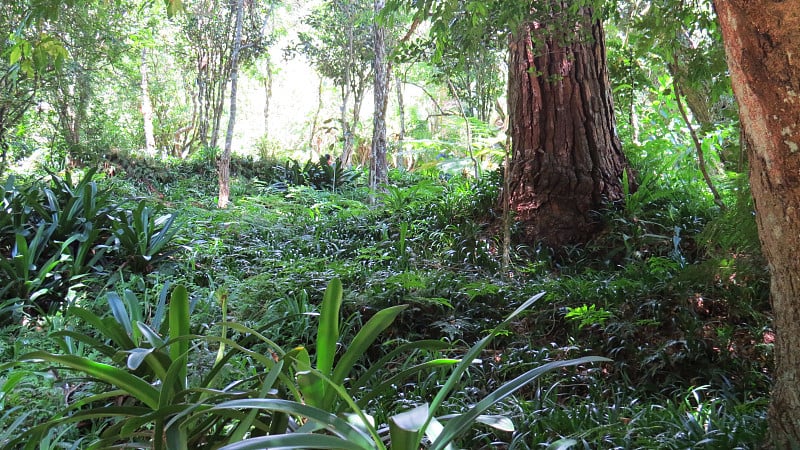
(347, 130)
(762, 42)
(378, 168)
(225, 158)
(567, 160)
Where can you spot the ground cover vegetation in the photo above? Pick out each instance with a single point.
(318, 310)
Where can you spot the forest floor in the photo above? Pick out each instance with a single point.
(683, 317)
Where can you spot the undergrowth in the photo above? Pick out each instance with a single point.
(672, 291)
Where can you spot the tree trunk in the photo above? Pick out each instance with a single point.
(225, 159)
(567, 160)
(378, 173)
(75, 94)
(267, 93)
(347, 128)
(315, 122)
(401, 108)
(147, 109)
(761, 40)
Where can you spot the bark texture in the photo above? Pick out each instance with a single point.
(567, 160)
(378, 173)
(762, 44)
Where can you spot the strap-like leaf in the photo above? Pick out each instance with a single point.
(179, 327)
(119, 312)
(365, 337)
(294, 440)
(474, 353)
(460, 424)
(134, 386)
(328, 331)
(336, 425)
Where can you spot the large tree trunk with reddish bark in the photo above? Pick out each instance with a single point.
(762, 43)
(567, 161)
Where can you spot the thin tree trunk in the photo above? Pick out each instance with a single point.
(761, 41)
(147, 109)
(347, 90)
(315, 121)
(475, 166)
(401, 109)
(225, 159)
(701, 160)
(505, 262)
(267, 94)
(378, 173)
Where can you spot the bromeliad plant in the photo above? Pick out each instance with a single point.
(149, 361)
(294, 399)
(141, 235)
(54, 234)
(354, 428)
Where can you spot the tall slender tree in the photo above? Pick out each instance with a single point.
(147, 107)
(225, 158)
(762, 38)
(378, 173)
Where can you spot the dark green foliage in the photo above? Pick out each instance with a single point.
(323, 175)
(645, 293)
(54, 234)
(140, 235)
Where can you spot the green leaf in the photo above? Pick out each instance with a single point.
(150, 335)
(119, 312)
(164, 235)
(404, 428)
(310, 383)
(134, 386)
(179, 326)
(333, 424)
(361, 342)
(136, 356)
(328, 332)
(474, 353)
(562, 444)
(158, 316)
(399, 378)
(405, 349)
(463, 422)
(295, 440)
(108, 327)
(16, 54)
(134, 306)
(244, 426)
(501, 423)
